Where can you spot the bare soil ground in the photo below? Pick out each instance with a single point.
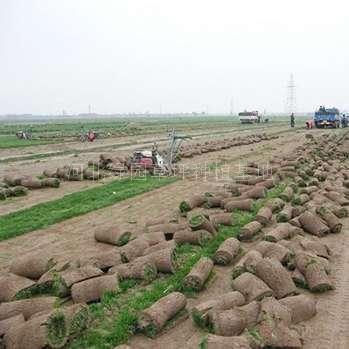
(329, 329)
(36, 167)
(75, 236)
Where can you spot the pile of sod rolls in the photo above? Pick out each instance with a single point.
(30, 183)
(7, 191)
(194, 149)
(273, 257)
(286, 255)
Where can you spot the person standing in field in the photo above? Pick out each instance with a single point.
(292, 120)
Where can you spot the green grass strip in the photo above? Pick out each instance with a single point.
(76, 204)
(114, 320)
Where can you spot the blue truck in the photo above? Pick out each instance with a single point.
(327, 117)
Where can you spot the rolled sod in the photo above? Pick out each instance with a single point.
(252, 287)
(309, 190)
(66, 323)
(300, 182)
(301, 307)
(93, 289)
(12, 180)
(338, 198)
(287, 194)
(271, 308)
(199, 221)
(27, 307)
(196, 237)
(213, 341)
(229, 322)
(227, 251)
(268, 183)
(281, 231)
(164, 260)
(252, 312)
(248, 231)
(153, 238)
(31, 334)
(233, 188)
(273, 333)
(191, 203)
(331, 219)
(242, 204)
(313, 224)
(214, 201)
(271, 271)
(198, 275)
(102, 260)
(316, 247)
(142, 268)
(50, 183)
(32, 265)
(251, 259)
(298, 210)
(200, 312)
(113, 235)
(299, 279)
(6, 324)
(221, 218)
(317, 278)
(301, 199)
(12, 284)
(154, 318)
(285, 215)
(258, 192)
(295, 221)
(31, 183)
(62, 281)
(274, 250)
(340, 212)
(133, 249)
(19, 190)
(168, 229)
(276, 204)
(160, 246)
(264, 216)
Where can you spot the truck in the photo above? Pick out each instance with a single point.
(327, 117)
(249, 117)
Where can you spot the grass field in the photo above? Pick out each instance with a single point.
(72, 205)
(114, 319)
(54, 131)
(11, 141)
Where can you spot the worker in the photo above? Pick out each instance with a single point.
(344, 121)
(292, 120)
(309, 124)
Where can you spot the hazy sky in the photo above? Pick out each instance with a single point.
(185, 55)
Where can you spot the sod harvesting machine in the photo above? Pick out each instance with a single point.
(156, 161)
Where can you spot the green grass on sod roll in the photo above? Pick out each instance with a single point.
(76, 204)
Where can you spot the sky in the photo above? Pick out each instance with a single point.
(123, 56)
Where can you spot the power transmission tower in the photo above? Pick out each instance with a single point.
(232, 106)
(291, 96)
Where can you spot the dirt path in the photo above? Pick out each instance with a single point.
(330, 328)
